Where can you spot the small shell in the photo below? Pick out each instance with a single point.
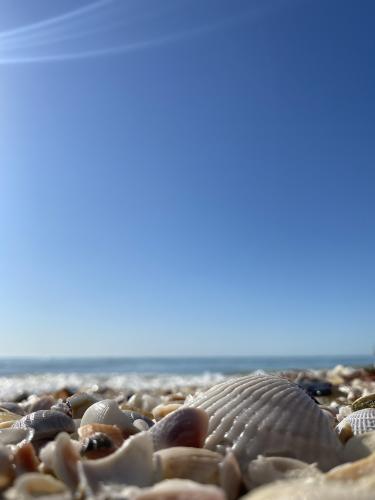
(265, 470)
(25, 459)
(37, 403)
(143, 402)
(97, 445)
(267, 415)
(175, 489)
(360, 421)
(130, 464)
(200, 465)
(364, 402)
(8, 416)
(35, 484)
(162, 410)
(15, 436)
(62, 456)
(79, 403)
(6, 469)
(12, 407)
(359, 446)
(185, 427)
(353, 470)
(108, 412)
(112, 431)
(46, 424)
(311, 489)
(141, 424)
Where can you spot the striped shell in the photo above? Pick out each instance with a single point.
(267, 415)
(46, 423)
(360, 421)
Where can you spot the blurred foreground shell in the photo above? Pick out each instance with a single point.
(267, 415)
(264, 470)
(175, 489)
(200, 465)
(34, 484)
(131, 464)
(311, 489)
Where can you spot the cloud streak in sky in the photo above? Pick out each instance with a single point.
(110, 27)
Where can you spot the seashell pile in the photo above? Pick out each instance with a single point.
(258, 436)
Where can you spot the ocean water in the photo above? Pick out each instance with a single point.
(39, 375)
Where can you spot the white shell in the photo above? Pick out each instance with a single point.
(131, 464)
(108, 412)
(34, 484)
(360, 421)
(264, 470)
(176, 489)
(61, 456)
(313, 489)
(267, 415)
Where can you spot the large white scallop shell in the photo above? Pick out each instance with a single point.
(267, 415)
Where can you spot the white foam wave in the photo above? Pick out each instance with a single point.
(13, 386)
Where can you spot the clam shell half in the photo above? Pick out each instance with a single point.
(267, 415)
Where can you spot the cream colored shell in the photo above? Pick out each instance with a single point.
(267, 415)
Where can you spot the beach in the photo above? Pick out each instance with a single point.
(73, 433)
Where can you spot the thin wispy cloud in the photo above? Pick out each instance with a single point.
(109, 27)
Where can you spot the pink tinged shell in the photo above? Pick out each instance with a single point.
(185, 427)
(267, 415)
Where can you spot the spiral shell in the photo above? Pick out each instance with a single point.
(267, 415)
(46, 423)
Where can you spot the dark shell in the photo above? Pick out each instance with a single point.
(46, 423)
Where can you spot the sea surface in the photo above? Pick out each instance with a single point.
(39, 375)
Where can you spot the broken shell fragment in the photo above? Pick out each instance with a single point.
(312, 489)
(264, 470)
(15, 436)
(267, 415)
(131, 464)
(364, 402)
(61, 456)
(35, 484)
(112, 431)
(25, 459)
(359, 446)
(200, 465)
(184, 427)
(79, 402)
(12, 407)
(6, 469)
(161, 411)
(353, 470)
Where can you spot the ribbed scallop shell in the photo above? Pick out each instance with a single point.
(360, 421)
(267, 415)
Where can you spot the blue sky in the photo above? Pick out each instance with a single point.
(187, 177)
